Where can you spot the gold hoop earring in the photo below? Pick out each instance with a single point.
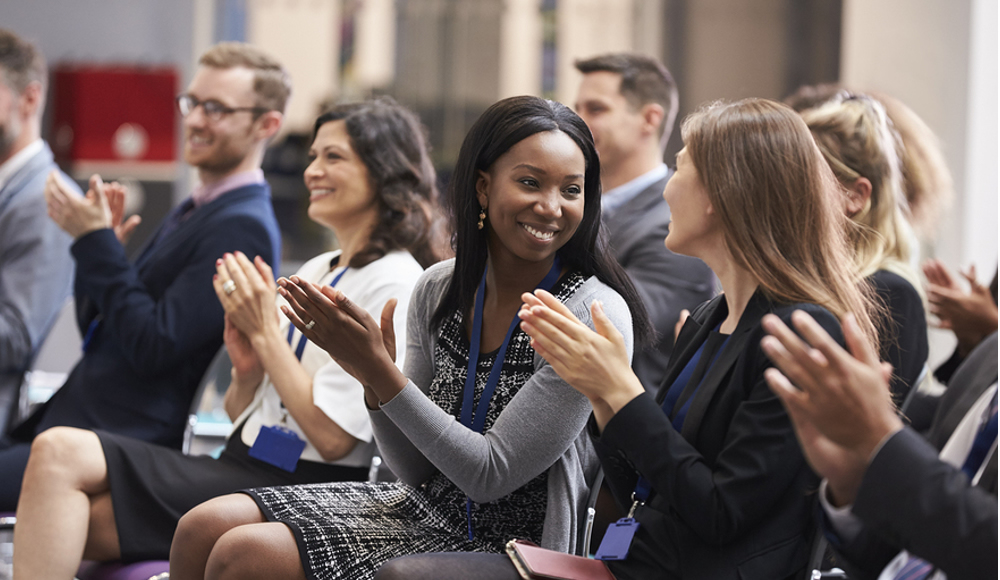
(482, 217)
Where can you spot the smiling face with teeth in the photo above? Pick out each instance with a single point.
(340, 192)
(533, 196)
(234, 142)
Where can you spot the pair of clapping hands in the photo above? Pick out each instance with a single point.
(364, 348)
(971, 315)
(838, 401)
(102, 207)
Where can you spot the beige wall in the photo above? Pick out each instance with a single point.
(940, 58)
(305, 36)
(587, 28)
(735, 50)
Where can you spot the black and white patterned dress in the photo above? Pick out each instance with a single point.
(348, 530)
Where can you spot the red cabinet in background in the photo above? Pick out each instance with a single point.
(115, 120)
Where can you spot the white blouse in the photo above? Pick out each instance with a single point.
(337, 393)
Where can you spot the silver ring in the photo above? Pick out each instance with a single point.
(310, 324)
(229, 287)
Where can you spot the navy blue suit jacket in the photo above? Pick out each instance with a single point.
(160, 320)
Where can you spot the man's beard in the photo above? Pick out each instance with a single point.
(7, 139)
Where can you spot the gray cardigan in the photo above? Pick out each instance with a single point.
(542, 428)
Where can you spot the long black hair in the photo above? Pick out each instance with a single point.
(390, 141)
(502, 126)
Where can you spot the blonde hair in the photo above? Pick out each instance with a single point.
(779, 205)
(857, 140)
(271, 82)
(927, 182)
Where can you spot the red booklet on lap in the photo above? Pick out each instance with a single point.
(537, 563)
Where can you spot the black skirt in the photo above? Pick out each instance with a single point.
(153, 486)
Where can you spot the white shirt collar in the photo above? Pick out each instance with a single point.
(18, 160)
(615, 198)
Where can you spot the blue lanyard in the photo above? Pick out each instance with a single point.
(88, 337)
(982, 443)
(642, 486)
(291, 327)
(477, 422)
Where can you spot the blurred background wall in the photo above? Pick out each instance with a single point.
(450, 59)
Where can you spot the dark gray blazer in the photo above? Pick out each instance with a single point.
(667, 282)
(911, 500)
(36, 271)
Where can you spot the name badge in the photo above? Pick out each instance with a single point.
(278, 446)
(617, 540)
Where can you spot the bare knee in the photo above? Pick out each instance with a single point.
(256, 551)
(69, 455)
(199, 530)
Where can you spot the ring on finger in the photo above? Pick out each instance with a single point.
(229, 287)
(310, 324)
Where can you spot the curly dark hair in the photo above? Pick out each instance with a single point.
(390, 141)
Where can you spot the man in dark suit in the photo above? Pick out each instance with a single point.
(896, 506)
(35, 266)
(151, 327)
(629, 101)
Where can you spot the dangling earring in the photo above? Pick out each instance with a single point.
(482, 216)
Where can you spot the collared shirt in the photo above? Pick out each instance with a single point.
(204, 194)
(624, 193)
(18, 160)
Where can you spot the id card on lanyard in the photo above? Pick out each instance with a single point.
(277, 444)
(477, 421)
(618, 538)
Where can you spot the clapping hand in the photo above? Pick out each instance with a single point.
(116, 194)
(78, 215)
(970, 315)
(247, 293)
(245, 361)
(361, 346)
(594, 363)
(838, 401)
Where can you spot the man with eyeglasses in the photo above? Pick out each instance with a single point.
(151, 327)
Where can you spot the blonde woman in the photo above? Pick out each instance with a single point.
(859, 143)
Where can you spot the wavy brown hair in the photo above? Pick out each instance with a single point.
(390, 141)
(779, 205)
(272, 86)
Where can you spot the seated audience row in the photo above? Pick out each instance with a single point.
(283, 385)
(150, 328)
(517, 381)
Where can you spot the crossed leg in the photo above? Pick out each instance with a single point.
(64, 513)
(228, 538)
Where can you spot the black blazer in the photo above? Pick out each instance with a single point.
(733, 497)
(161, 321)
(910, 500)
(905, 343)
(666, 282)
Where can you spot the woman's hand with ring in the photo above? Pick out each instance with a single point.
(247, 293)
(347, 332)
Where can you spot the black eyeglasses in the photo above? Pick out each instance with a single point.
(214, 110)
